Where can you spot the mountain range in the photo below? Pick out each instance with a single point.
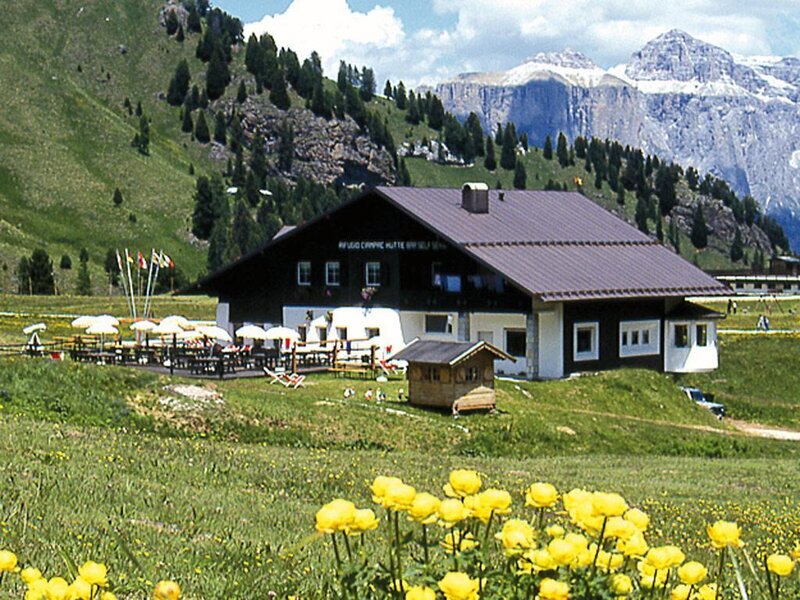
(678, 97)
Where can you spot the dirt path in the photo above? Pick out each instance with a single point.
(766, 432)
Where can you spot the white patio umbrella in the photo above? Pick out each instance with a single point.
(182, 322)
(215, 333)
(144, 326)
(107, 319)
(83, 322)
(35, 327)
(166, 328)
(254, 332)
(102, 328)
(189, 334)
(281, 333)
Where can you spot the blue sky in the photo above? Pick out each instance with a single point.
(426, 41)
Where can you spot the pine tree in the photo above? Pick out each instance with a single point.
(387, 89)
(278, 94)
(193, 22)
(269, 222)
(547, 151)
(342, 78)
(205, 47)
(436, 114)
(621, 195)
(285, 147)
(117, 197)
(523, 140)
(258, 159)
(181, 35)
(141, 141)
(111, 268)
(699, 234)
(475, 132)
(24, 276)
(665, 190)
(217, 246)
(320, 102)
(203, 215)
(367, 89)
(640, 216)
(508, 153)
(66, 263)
(520, 176)
(84, 286)
(413, 115)
(403, 176)
(241, 93)
(187, 126)
(179, 84)
(139, 112)
(220, 128)
(243, 229)
(561, 150)
(498, 135)
(172, 23)
(217, 76)
(251, 189)
(737, 247)
(201, 132)
(400, 98)
(490, 162)
(40, 273)
(659, 229)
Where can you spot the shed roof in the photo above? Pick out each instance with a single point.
(446, 353)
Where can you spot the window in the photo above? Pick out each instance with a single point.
(303, 331)
(472, 374)
(638, 338)
(431, 374)
(333, 273)
(438, 324)
(372, 332)
(322, 333)
(681, 335)
(486, 336)
(585, 344)
(341, 333)
(436, 274)
(373, 274)
(701, 334)
(304, 272)
(516, 342)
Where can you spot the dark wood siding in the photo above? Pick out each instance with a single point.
(609, 315)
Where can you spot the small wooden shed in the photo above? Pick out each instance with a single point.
(454, 375)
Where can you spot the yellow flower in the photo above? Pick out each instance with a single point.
(577, 540)
(8, 561)
(607, 561)
(650, 577)
(423, 508)
(419, 592)
(692, 573)
(619, 528)
(795, 554)
(335, 516)
(638, 518)
(380, 486)
(541, 495)
(399, 496)
(167, 590)
(37, 590)
(80, 589)
(462, 483)
(575, 497)
(562, 551)
(516, 534)
(94, 573)
(609, 505)
(364, 520)
(664, 557)
(621, 584)
(680, 592)
(554, 531)
(107, 596)
(536, 560)
(459, 586)
(780, 564)
(57, 589)
(707, 592)
(465, 542)
(585, 517)
(550, 589)
(498, 501)
(451, 511)
(29, 575)
(636, 545)
(724, 534)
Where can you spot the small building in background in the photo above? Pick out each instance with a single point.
(455, 375)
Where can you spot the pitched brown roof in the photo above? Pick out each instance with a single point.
(446, 353)
(556, 245)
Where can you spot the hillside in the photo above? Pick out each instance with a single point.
(65, 71)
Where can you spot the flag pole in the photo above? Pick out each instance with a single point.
(130, 282)
(124, 284)
(155, 274)
(149, 277)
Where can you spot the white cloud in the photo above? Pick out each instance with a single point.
(491, 35)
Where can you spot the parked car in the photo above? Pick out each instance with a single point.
(705, 400)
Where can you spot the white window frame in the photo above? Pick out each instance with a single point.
(689, 334)
(328, 279)
(300, 264)
(521, 330)
(448, 327)
(594, 352)
(367, 280)
(626, 330)
(707, 327)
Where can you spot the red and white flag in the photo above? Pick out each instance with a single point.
(142, 260)
(119, 261)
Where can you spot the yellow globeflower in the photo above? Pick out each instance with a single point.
(577, 540)
(8, 561)
(664, 557)
(57, 589)
(608, 561)
(575, 497)
(400, 496)
(419, 592)
(516, 534)
(724, 534)
(795, 554)
(554, 531)
(609, 505)
(562, 551)
(780, 564)
(707, 592)
(636, 545)
(621, 584)
(37, 590)
(550, 589)
(423, 508)
(452, 511)
(498, 501)
(336, 515)
(650, 577)
(167, 590)
(459, 586)
(453, 542)
(541, 495)
(638, 518)
(586, 518)
(680, 592)
(29, 575)
(692, 573)
(108, 596)
(364, 520)
(379, 487)
(619, 528)
(80, 589)
(94, 573)
(462, 483)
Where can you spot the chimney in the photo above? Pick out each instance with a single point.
(475, 197)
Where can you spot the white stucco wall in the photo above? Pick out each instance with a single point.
(551, 343)
(497, 323)
(693, 358)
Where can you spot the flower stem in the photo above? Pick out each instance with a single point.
(397, 544)
(347, 546)
(336, 553)
(425, 544)
(719, 572)
(488, 527)
(599, 544)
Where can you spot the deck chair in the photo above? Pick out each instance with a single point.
(276, 376)
(295, 380)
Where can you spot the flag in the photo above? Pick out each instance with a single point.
(142, 260)
(119, 261)
(129, 257)
(167, 261)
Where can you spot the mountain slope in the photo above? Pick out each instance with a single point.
(678, 97)
(65, 70)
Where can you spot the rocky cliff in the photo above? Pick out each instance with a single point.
(678, 97)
